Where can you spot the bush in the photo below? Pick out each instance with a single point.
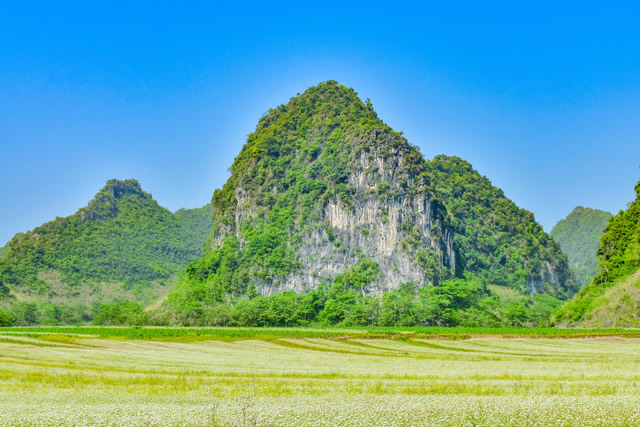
(126, 313)
(6, 318)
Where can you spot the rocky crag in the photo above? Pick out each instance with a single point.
(323, 183)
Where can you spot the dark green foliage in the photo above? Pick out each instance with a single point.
(53, 314)
(344, 301)
(542, 307)
(26, 314)
(4, 291)
(618, 257)
(516, 313)
(455, 302)
(493, 237)
(619, 251)
(579, 237)
(6, 318)
(123, 313)
(46, 313)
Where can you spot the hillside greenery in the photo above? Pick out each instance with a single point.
(467, 302)
(494, 238)
(579, 237)
(618, 260)
(122, 246)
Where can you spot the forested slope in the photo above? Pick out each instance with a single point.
(121, 246)
(579, 237)
(613, 297)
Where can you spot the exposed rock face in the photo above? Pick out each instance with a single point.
(371, 228)
(323, 183)
(546, 275)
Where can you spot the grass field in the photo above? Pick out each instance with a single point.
(164, 376)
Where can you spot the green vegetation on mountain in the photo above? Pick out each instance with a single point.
(464, 301)
(323, 189)
(579, 237)
(493, 237)
(196, 225)
(122, 246)
(613, 297)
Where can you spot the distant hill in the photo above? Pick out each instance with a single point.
(579, 237)
(121, 246)
(324, 195)
(613, 297)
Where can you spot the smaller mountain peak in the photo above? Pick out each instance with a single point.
(105, 204)
(585, 211)
(120, 188)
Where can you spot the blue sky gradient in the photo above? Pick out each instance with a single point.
(542, 98)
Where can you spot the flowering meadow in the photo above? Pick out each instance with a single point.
(51, 377)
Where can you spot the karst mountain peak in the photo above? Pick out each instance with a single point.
(324, 186)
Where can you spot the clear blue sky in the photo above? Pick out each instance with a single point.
(542, 98)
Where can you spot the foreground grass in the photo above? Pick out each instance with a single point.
(396, 376)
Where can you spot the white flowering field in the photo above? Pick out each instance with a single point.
(396, 380)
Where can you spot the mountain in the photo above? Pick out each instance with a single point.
(579, 237)
(121, 246)
(323, 192)
(613, 297)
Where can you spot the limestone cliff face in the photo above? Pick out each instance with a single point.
(323, 183)
(383, 222)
